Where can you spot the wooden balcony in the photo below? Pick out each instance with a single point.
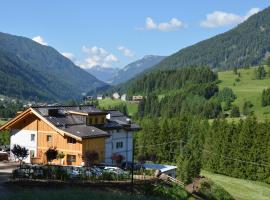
(36, 160)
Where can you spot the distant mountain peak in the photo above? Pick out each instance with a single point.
(136, 67)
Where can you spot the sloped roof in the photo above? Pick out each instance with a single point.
(70, 124)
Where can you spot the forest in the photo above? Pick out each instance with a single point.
(176, 127)
(234, 149)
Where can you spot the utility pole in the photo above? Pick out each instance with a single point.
(132, 166)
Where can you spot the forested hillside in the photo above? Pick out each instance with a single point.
(32, 71)
(234, 149)
(173, 92)
(245, 45)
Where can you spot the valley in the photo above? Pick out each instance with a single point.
(101, 109)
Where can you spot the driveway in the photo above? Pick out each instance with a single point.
(5, 173)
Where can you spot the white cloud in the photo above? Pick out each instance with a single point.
(126, 52)
(171, 25)
(97, 56)
(220, 18)
(70, 56)
(40, 40)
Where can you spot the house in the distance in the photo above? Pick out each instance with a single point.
(137, 98)
(116, 95)
(72, 130)
(99, 97)
(124, 97)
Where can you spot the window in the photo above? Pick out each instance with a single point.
(90, 120)
(32, 153)
(71, 140)
(49, 138)
(33, 137)
(119, 145)
(71, 158)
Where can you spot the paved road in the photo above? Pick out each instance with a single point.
(5, 174)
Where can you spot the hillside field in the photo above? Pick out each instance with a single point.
(2, 122)
(247, 89)
(239, 188)
(106, 103)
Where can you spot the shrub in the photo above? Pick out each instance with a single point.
(117, 158)
(211, 191)
(19, 152)
(51, 154)
(235, 112)
(90, 157)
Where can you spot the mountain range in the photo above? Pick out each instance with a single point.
(104, 74)
(115, 76)
(29, 70)
(246, 45)
(243, 46)
(135, 68)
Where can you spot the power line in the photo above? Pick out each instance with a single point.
(209, 152)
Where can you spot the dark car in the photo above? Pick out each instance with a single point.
(128, 166)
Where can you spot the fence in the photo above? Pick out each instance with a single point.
(79, 174)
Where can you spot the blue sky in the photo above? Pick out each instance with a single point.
(115, 33)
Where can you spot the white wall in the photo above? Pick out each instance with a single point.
(23, 138)
(110, 146)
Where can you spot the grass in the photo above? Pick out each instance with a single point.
(248, 89)
(132, 107)
(68, 193)
(2, 122)
(239, 188)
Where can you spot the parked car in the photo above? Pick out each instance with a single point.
(116, 170)
(128, 166)
(96, 171)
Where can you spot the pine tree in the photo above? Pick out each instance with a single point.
(235, 112)
(260, 73)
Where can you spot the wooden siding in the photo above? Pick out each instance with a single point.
(27, 123)
(94, 144)
(59, 141)
(96, 119)
(32, 122)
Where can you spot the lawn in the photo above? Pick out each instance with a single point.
(2, 122)
(241, 189)
(67, 193)
(247, 89)
(106, 103)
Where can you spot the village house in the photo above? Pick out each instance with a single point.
(99, 97)
(115, 95)
(124, 97)
(72, 130)
(137, 98)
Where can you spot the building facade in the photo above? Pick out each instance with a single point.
(72, 130)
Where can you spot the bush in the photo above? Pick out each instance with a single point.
(169, 192)
(247, 108)
(211, 191)
(235, 112)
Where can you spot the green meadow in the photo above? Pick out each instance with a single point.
(239, 188)
(108, 102)
(2, 122)
(247, 89)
